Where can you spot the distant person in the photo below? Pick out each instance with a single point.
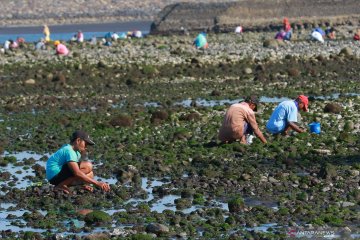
(93, 40)
(137, 34)
(107, 42)
(238, 30)
(74, 38)
(13, 44)
(20, 40)
(40, 45)
(7, 44)
(317, 36)
(357, 36)
(286, 25)
(240, 121)
(285, 116)
(64, 168)
(80, 36)
(61, 49)
(108, 35)
(123, 35)
(280, 35)
(330, 33)
(115, 36)
(200, 41)
(46, 32)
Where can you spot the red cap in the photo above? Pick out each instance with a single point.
(304, 99)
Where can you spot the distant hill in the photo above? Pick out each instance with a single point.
(255, 15)
(38, 12)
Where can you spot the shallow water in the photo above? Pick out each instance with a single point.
(65, 32)
(212, 103)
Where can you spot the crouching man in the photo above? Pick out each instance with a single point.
(239, 121)
(64, 168)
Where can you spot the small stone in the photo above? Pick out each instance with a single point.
(354, 173)
(273, 180)
(325, 189)
(30, 82)
(157, 228)
(245, 176)
(248, 71)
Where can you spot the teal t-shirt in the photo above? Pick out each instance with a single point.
(64, 155)
(285, 112)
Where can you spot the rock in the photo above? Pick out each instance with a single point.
(248, 70)
(245, 176)
(349, 126)
(333, 108)
(345, 204)
(97, 236)
(187, 193)
(354, 173)
(346, 51)
(327, 171)
(273, 180)
(271, 43)
(236, 204)
(326, 189)
(97, 217)
(121, 121)
(30, 82)
(157, 228)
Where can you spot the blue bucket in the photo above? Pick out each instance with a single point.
(315, 127)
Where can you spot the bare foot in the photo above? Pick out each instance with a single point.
(63, 188)
(88, 188)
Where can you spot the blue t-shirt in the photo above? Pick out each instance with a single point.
(64, 155)
(285, 112)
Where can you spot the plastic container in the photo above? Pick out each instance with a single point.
(315, 127)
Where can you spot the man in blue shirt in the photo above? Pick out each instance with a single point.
(284, 117)
(64, 167)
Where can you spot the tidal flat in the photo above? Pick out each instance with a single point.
(154, 106)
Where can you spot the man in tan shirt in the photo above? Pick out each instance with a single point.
(239, 121)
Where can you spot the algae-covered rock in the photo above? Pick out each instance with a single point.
(182, 203)
(97, 217)
(349, 126)
(346, 137)
(346, 51)
(271, 43)
(236, 204)
(159, 116)
(327, 171)
(157, 228)
(121, 121)
(333, 108)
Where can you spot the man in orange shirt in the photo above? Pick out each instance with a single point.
(239, 121)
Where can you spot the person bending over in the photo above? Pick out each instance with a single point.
(239, 121)
(64, 168)
(284, 117)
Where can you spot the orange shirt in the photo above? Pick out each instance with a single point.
(235, 118)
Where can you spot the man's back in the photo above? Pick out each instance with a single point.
(285, 112)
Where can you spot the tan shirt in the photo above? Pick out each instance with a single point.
(233, 125)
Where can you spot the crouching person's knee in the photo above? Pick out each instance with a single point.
(86, 167)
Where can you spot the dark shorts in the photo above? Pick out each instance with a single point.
(64, 174)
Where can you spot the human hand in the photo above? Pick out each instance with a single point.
(104, 186)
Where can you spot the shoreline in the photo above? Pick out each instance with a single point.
(85, 27)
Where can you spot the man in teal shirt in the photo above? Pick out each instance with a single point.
(284, 116)
(64, 167)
